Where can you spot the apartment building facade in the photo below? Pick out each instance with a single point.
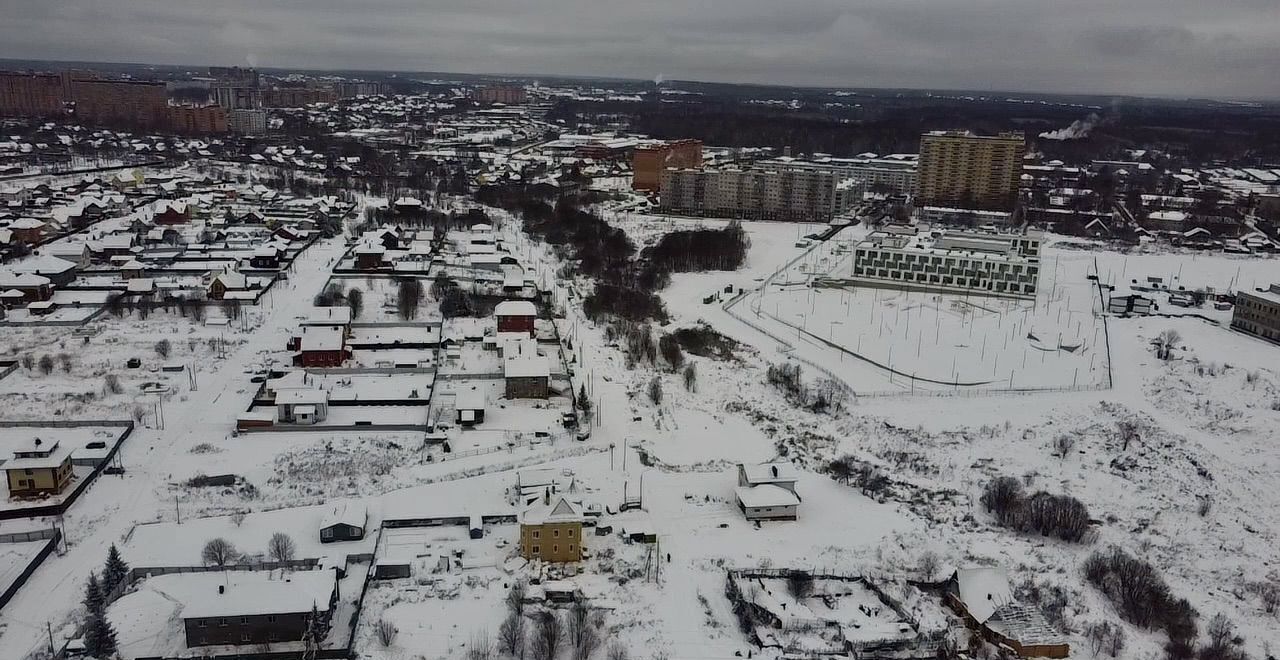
(247, 122)
(648, 163)
(993, 264)
(1258, 313)
(962, 169)
(197, 119)
(507, 94)
(898, 176)
(121, 102)
(785, 195)
(32, 94)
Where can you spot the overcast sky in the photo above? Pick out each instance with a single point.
(1167, 47)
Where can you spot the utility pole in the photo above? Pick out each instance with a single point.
(49, 629)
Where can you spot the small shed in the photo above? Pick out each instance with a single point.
(516, 316)
(469, 404)
(393, 566)
(475, 526)
(345, 521)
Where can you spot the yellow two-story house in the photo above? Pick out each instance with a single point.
(551, 530)
(40, 468)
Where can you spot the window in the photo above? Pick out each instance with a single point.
(555, 533)
(570, 533)
(222, 623)
(271, 618)
(571, 550)
(202, 623)
(273, 636)
(244, 620)
(537, 534)
(245, 637)
(537, 550)
(326, 533)
(555, 549)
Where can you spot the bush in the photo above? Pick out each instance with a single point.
(1003, 497)
(111, 383)
(386, 632)
(706, 342)
(46, 365)
(655, 390)
(1140, 594)
(690, 376)
(28, 362)
(669, 347)
(163, 347)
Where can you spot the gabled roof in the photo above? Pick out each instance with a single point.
(983, 591)
(515, 308)
(346, 512)
(769, 473)
(248, 593)
(766, 495)
(560, 510)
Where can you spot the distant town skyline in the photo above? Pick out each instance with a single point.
(1178, 48)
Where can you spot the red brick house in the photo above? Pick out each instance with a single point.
(322, 346)
(516, 316)
(172, 213)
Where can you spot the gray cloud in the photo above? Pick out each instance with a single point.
(1173, 47)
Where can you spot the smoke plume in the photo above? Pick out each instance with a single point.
(1078, 130)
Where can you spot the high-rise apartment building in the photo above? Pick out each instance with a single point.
(648, 163)
(247, 122)
(891, 175)
(800, 196)
(297, 97)
(237, 98)
(197, 119)
(961, 169)
(122, 102)
(32, 94)
(500, 94)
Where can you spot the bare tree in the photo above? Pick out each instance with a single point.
(46, 365)
(690, 375)
(281, 547)
(928, 564)
(1127, 432)
(1063, 445)
(1166, 342)
(65, 360)
(162, 348)
(618, 652)
(28, 362)
(138, 412)
(583, 626)
(548, 636)
(511, 635)
(655, 390)
(386, 632)
(515, 597)
(219, 552)
(480, 647)
(111, 383)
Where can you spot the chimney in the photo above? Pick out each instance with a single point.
(222, 589)
(546, 496)
(774, 469)
(39, 442)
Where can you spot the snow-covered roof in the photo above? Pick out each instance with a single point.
(346, 512)
(769, 473)
(515, 308)
(526, 366)
(322, 338)
(56, 453)
(983, 591)
(232, 280)
(469, 399)
(323, 316)
(766, 495)
(301, 396)
(560, 510)
(250, 593)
